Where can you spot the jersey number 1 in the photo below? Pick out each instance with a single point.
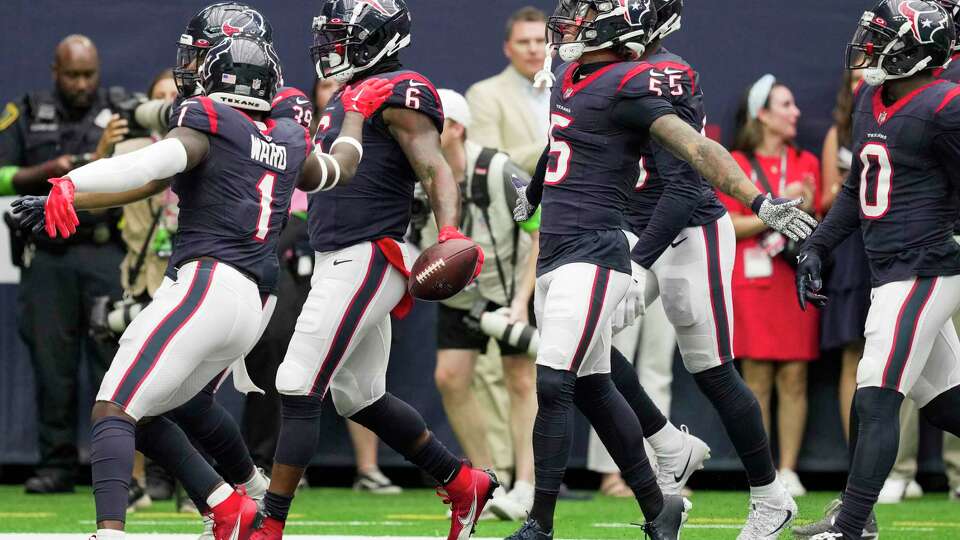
(265, 187)
(876, 175)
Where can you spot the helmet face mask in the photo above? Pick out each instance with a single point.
(900, 39)
(352, 36)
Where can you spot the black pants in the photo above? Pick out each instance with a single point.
(54, 302)
(261, 414)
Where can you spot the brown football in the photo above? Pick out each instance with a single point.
(443, 270)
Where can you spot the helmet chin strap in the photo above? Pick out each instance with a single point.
(570, 52)
(874, 76)
(544, 78)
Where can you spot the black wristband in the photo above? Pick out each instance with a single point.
(757, 203)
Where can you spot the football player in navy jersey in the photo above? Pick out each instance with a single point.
(234, 170)
(604, 113)
(343, 334)
(683, 241)
(901, 194)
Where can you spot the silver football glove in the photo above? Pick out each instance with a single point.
(522, 210)
(783, 215)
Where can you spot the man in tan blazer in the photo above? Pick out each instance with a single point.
(508, 112)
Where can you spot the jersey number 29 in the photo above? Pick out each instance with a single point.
(876, 175)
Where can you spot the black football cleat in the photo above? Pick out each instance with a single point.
(531, 530)
(667, 525)
(825, 524)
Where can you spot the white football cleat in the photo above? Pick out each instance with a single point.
(674, 471)
(768, 519)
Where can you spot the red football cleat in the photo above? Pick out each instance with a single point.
(270, 529)
(467, 494)
(233, 518)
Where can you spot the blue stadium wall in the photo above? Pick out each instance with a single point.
(455, 43)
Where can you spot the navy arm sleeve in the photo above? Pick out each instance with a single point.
(842, 219)
(680, 199)
(535, 187)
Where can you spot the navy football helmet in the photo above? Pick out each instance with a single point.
(352, 36)
(669, 15)
(242, 71)
(900, 38)
(579, 26)
(207, 28)
(953, 8)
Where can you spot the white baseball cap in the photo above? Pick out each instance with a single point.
(455, 107)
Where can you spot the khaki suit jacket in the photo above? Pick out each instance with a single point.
(502, 119)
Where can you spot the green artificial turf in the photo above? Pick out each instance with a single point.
(328, 511)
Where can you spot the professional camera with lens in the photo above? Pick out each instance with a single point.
(143, 116)
(109, 318)
(497, 325)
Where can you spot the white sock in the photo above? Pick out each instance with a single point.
(668, 441)
(219, 495)
(256, 486)
(771, 492)
(108, 534)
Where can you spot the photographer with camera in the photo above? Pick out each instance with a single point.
(500, 298)
(44, 135)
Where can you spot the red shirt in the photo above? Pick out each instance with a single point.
(783, 332)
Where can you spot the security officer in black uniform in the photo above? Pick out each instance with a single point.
(45, 135)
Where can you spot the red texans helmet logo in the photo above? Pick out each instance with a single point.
(229, 30)
(923, 19)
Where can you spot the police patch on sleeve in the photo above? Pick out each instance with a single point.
(9, 116)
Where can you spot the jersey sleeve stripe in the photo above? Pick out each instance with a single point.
(289, 92)
(948, 98)
(211, 113)
(682, 67)
(642, 68)
(419, 78)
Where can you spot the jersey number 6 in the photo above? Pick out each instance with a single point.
(876, 177)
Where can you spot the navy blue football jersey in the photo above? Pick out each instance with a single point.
(593, 165)
(905, 174)
(377, 202)
(292, 103)
(691, 200)
(952, 71)
(235, 202)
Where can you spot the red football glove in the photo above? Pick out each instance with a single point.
(449, 233)
(59, 212)
(366, 98)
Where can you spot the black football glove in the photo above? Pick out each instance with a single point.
(30, 211)
(808, 280)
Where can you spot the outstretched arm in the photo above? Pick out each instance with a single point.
(420, 141)
(181, 150)
(710, 159)
(95, 201)
(714, 163)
